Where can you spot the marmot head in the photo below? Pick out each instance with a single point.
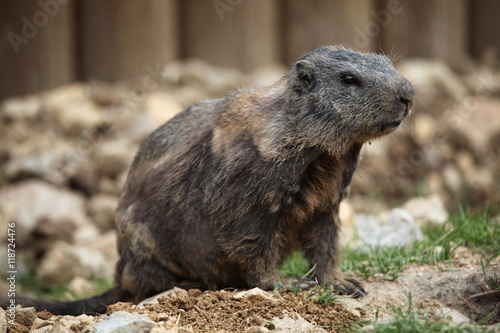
(346, 97)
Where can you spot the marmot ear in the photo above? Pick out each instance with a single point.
(305, 72)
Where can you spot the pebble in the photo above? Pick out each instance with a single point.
(427, 210)
(391, 228)
(124, 322)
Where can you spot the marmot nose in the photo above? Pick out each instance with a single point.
(406, 100)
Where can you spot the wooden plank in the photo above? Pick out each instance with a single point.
(311, 24)
(37, 47)
(234, 33)
(485, 27)
(123, 38)
(429, 29)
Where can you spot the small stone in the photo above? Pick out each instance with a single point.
(39, 164)
(161, 106)
(266, 76)
(427, 210)
(21, 108)
(72, 108)
(425, 127)
(194, 72)
(42, 326)
(346, 214)
(69, 324)
(452, 315)
(167, 294)
(452, 179)
(135, 129)
(102, 208)
(81, 287)
(30, 201)
(26, 316)
(390, 228)
(297, 324)
(3, 321)
(253, 294)
(257, 329)
(113, 157)
(82, 176)
(122, 321)
(65, 261)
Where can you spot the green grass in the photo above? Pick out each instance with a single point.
(30, 283)
(410, 320)
(475, 231)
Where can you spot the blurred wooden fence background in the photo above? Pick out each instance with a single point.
(46, 43)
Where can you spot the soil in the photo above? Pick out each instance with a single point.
(219, 311)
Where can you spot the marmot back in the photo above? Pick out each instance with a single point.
(221, 194)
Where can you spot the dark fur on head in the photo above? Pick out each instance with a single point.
(220, 195)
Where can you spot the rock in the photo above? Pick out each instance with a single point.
(40, 165)
(69, 324)
(297, 324)
(72, 108)
(134, 129)
(53, 230)
(113, 186)
(105, 243)
(161, 106)
(25, 317)
(85, 234)
(113, 157)
(256, 329)
(123, 322)
(80, 116)
(391, 228)
(217, 80)
(26, 108)
(473, 114)
(266, 76)
(168, 294)
(81, 287)
(32, 200)
(427, 210)
(65, 261)
(3, 321)
(42, 326)
(451, 315)
(254, 294)
(82, 176)
(452, 179)
(424, 129)
(346, 213)
(102, 208)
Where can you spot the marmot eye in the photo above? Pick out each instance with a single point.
(350, 79)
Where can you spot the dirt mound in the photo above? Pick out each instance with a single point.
(215, 311)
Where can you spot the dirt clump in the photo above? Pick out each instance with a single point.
(216, 311)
